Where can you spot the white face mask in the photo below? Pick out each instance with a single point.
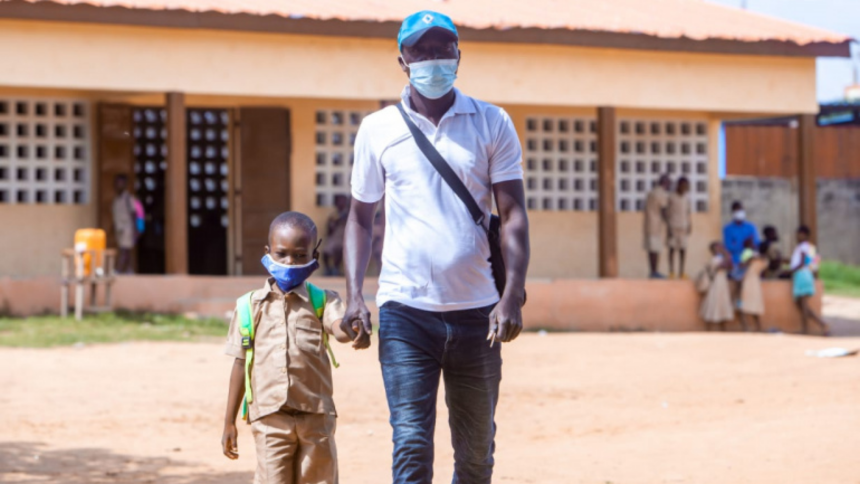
(433, 78)
(739, 215)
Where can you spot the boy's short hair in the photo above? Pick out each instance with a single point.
(803, 229)
(769, 229)
(737, 205)
(683, 179)
(296, 220)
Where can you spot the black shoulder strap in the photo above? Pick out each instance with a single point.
(444, 169)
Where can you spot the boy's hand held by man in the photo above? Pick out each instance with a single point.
(230, 441)
(356, 323)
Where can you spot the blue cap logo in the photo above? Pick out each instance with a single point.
(417, 24)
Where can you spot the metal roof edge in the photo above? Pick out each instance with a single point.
(184, 19)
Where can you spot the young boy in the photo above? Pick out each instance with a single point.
(678, 213)
(289, 405)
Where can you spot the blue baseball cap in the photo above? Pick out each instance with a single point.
(419, 23)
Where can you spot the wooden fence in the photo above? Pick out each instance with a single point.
(771, 151)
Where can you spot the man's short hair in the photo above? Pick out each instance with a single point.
(295, 220)
(121, 176)
(737, 205)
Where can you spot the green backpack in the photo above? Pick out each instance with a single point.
(246, 329)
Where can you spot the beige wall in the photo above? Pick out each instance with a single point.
(33, 236)
(564, 243)
(144, 59)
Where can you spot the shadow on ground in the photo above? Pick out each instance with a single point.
(30, 462)
(843, 326)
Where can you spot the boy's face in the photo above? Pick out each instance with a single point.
(291, 246)
(802, 237)
(683, 187)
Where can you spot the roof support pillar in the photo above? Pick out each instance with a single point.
(806, 176)
(176, 188)
(607, 231)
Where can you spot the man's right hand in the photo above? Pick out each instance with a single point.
(356, 323)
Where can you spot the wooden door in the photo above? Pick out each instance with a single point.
(262, 187)
(115, 157)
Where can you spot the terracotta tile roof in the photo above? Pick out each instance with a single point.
(669, 19)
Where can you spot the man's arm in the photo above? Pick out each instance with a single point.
(358, 240)
(507, 319)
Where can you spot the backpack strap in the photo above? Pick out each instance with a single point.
(246, 329)
(318, 301)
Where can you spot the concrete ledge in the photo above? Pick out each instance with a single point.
(642, 305)
(560, 304)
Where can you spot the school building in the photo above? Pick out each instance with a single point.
(227, 113)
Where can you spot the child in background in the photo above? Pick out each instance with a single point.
(717, 304)
(678, 214)
(289, 383)
(804, 263)
(751, 301)
(773, 255)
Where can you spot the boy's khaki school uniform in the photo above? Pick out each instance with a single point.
(678, 211)
(655, 225)
(292, 413)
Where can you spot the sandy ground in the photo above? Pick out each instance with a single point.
(575, 408)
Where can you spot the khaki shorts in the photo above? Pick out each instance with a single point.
(654, 243)
(125, 238)
(678, 239)
(295, 448)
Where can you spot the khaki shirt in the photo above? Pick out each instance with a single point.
(291, 366)
(123, 210)
(679, 211)
(656, 201)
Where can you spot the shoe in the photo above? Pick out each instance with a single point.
(683, 277)
(671, 275)
(657, 275)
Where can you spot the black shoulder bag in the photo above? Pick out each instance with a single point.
(494, 235)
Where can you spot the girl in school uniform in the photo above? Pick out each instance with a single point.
(717, 304)
(751, 301)
(804, 263)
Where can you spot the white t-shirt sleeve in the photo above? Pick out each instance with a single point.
(506, 157)
(368, 177)
(797, 255)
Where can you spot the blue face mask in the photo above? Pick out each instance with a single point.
(289, 277)
(433, 78)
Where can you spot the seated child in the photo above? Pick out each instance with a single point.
(284, 336)
(804, 263)
(717, 304)
(751, 300)
(770, 250)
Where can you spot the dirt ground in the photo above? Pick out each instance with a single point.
(575, 408)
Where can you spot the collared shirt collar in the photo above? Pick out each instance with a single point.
(462, 103)
(272, 287)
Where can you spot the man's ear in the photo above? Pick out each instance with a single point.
(403, 65)
(265, 249)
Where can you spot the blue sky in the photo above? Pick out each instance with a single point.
(842, 16)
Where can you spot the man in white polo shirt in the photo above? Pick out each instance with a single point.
(440, 311)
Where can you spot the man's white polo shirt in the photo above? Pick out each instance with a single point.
(434, 256)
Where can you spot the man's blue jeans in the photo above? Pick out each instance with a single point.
(415, 348)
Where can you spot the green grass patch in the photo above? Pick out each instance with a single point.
(840, 279)
(47, 331)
